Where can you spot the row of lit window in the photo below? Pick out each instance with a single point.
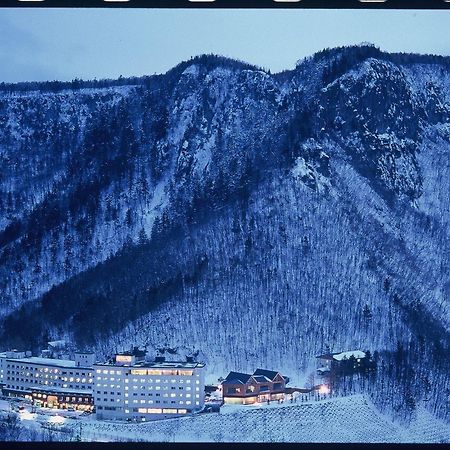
(163, 372)
(151, 402)
(110, 372)
(77, 380)
(39, 369)
(159, 411)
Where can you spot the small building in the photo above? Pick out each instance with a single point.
(246, 389)
(330, 361)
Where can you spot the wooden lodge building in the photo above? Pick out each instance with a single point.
(245, 389)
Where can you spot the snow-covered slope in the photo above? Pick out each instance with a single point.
(348, 419)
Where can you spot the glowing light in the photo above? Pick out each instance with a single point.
(324, 389)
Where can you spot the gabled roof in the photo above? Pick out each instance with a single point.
(261, 378)
(270, 374)
(237, 377)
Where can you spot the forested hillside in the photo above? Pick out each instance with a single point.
(250, 218)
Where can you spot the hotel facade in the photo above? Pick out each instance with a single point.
(134, 390)
(49, 382)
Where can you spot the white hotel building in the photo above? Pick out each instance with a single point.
(51, 382)
(130, 389)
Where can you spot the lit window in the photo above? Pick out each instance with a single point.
(197, 381)
(71, 379)
(98, 371)
(173, 395)
(117, 372)
(197, 388)
(158, 388)
(112, 379)
(188, 402)
(188, 395)
(111, 372)
(126, 380)
(127, 411)
(188, 388)
(126, 388)
(197, 403)
(126, 394)
(105, 372)
(126, 402)
(142, 401)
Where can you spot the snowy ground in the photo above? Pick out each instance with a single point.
(345, 419)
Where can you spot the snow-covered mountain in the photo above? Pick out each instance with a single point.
(254, 219)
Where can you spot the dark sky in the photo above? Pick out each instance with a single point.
(47, 44)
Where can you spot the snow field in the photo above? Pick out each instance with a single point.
(345, 419)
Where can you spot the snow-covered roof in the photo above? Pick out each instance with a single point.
(270, 374)
(57, 343)
(355, 353)
(238, 377)
(340, 356)
(261, 378)
(45, 361)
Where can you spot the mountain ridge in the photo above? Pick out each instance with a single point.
(220, 198)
